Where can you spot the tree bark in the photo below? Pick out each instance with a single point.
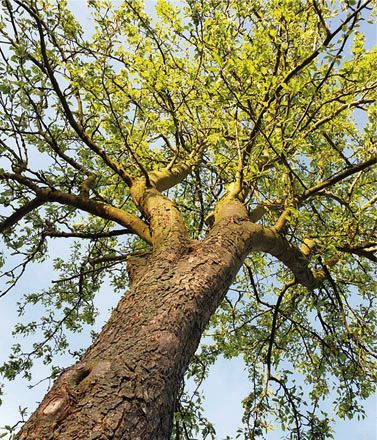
(126, 385)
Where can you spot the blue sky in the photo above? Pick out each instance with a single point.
(226, 386)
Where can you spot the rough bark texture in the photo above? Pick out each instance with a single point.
(126, 385)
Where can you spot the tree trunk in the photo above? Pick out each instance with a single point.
(126, 385)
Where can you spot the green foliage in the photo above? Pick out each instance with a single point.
(277, 96)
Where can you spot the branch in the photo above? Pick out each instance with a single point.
(232, 225)
(115, 166)
(270, 241)
(99, 209)
(337, 178)
(123, 135)
(45, 132)
(321, 19)
(94, 207)
(329, 37)
(335, 113)
(283, 220)
(86, 185)
(20, 213)
(109, 258)
(274, 325)
(87, 235)
(295, 71)
(369, 254)
(339, 151)
(14, 277)
(169, 177)
(369, 203)
(325, 43)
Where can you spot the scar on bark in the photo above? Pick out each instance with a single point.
(63, 397)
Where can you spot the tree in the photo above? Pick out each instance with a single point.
(216, 149)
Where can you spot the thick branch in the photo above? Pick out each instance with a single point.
(361, 252)
(232, 226)
(168, 229)
(94, 207)
(268, 240)
(100, 209)
(20, 213)
(169, 177)
(337, 178)
(87, 235)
